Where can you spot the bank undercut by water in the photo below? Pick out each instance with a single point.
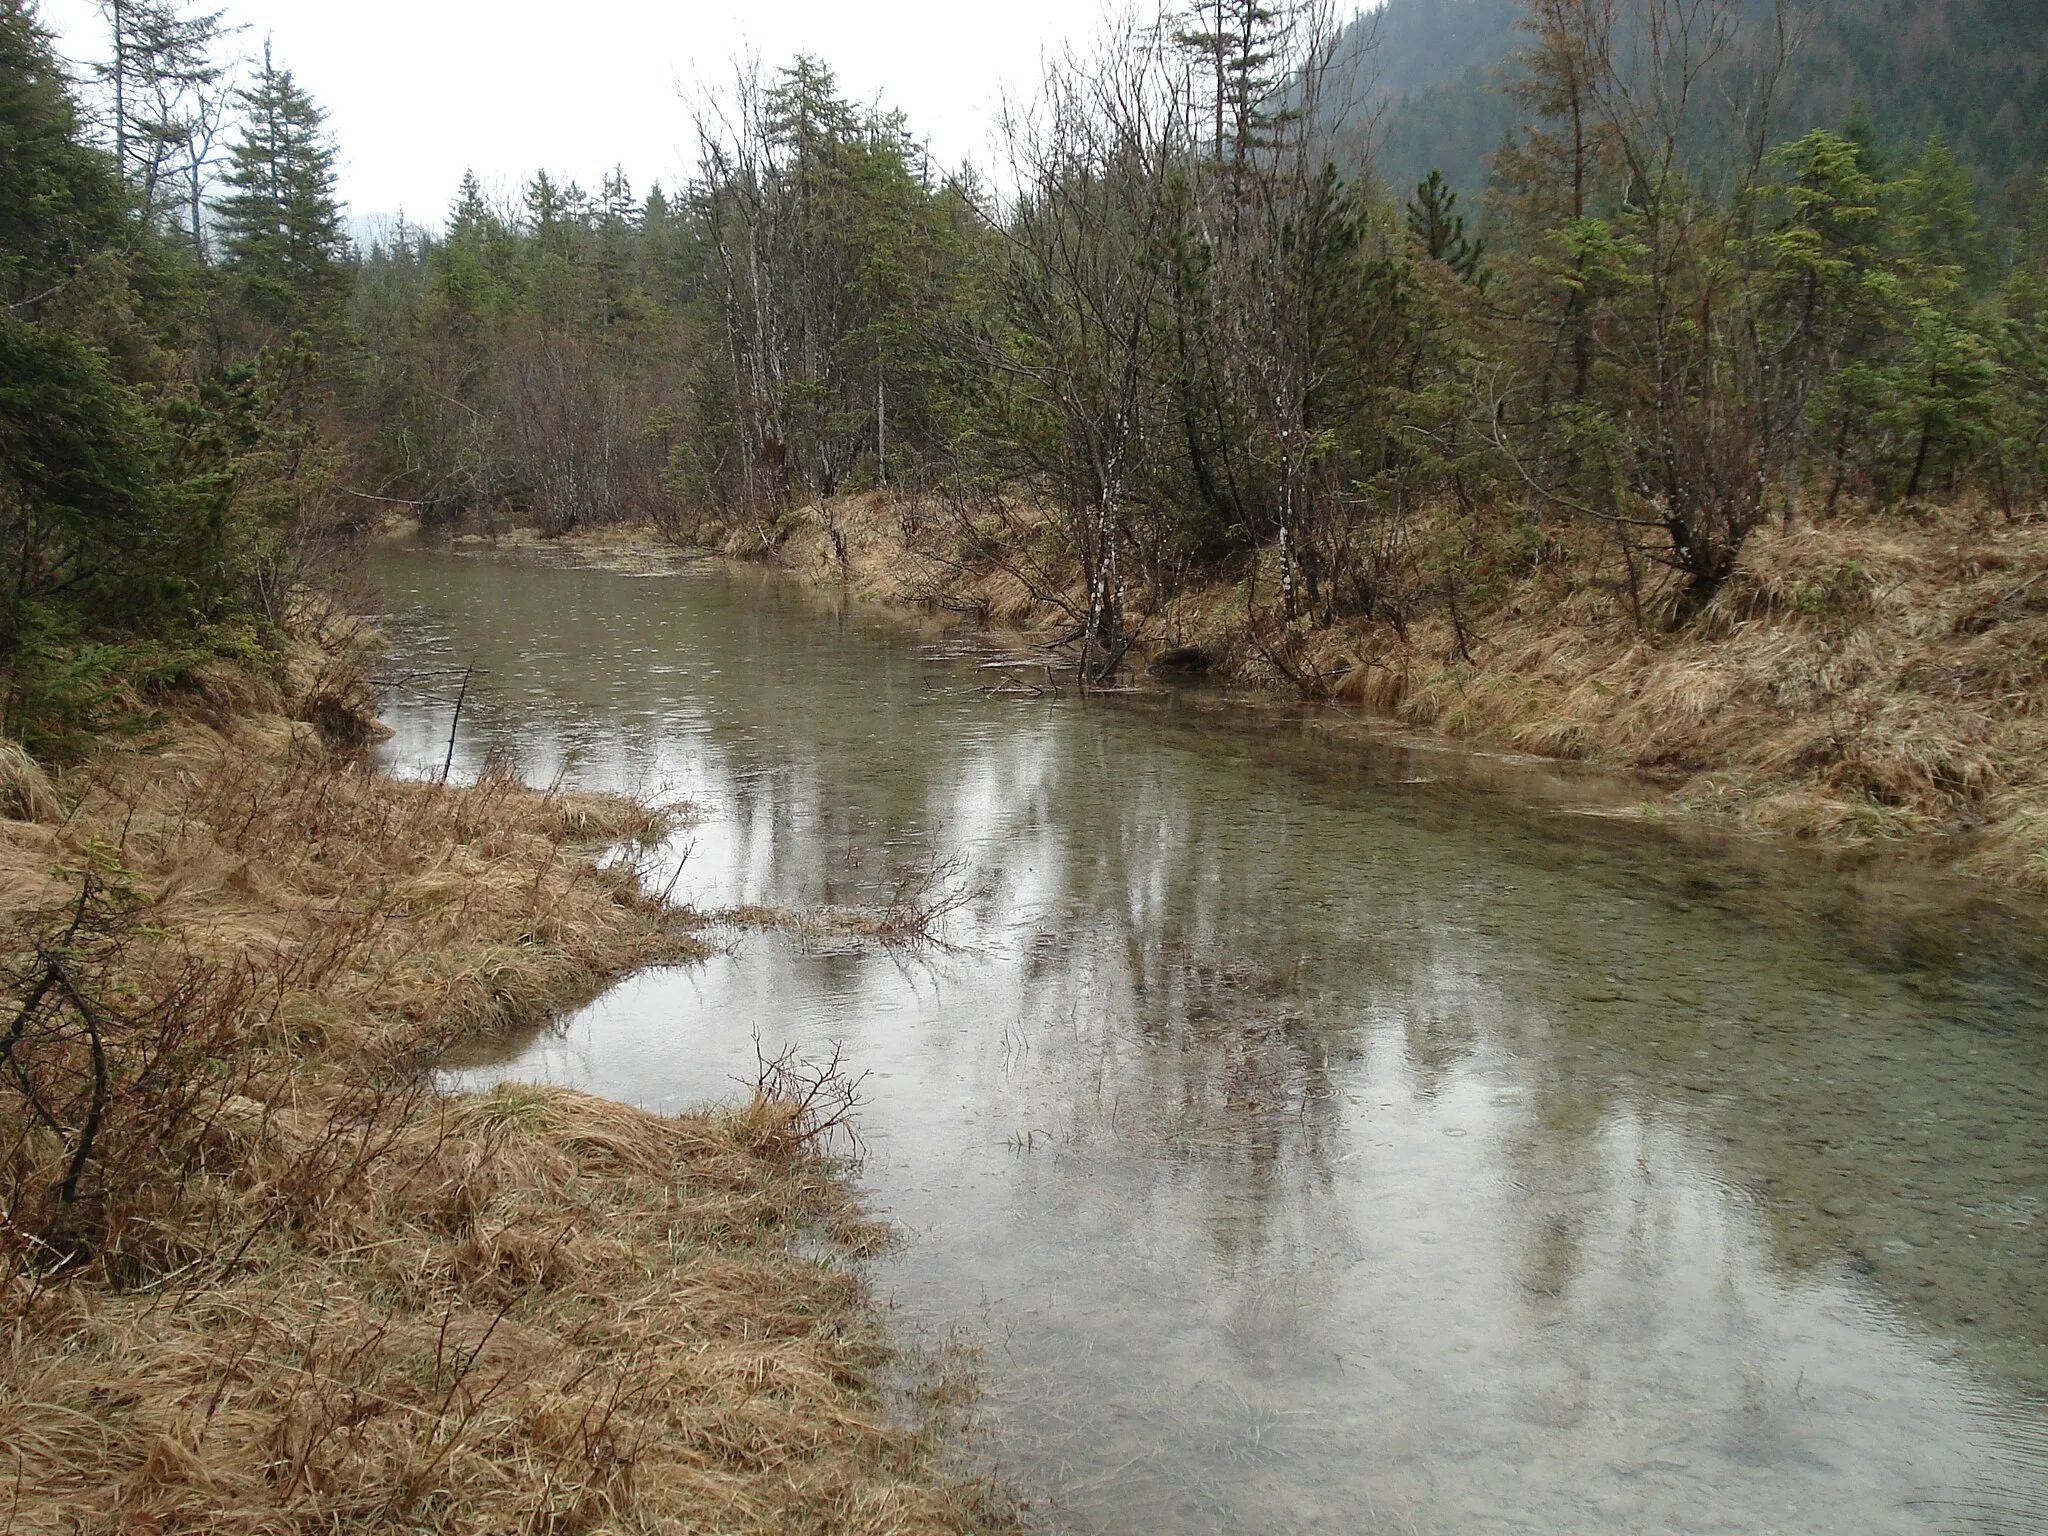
(259, 1273)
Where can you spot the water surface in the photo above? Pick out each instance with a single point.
(1317, 1133)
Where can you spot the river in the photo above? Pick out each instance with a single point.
(1314, 1131)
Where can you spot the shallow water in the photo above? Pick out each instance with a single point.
(1319, 1133)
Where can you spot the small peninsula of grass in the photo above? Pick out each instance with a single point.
(259, 1273)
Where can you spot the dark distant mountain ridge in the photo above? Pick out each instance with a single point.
(1975, 72)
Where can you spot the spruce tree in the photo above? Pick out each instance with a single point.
(167, 103)
(1238, 43)
(470, 266)
(58, 196)
(547, 205)
(1439, 229)
(65, 460)
(2020, 465)
(469, 212)
(1557, 174)
(281, 224)
(92, 541)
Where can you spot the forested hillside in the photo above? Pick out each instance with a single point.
(1973, 72)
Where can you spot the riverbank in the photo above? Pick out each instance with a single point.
(1861, 684)
(260, 1274)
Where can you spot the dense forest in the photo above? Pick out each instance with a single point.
(1173, 337)
(1183, 333)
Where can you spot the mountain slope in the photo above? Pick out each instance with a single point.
(1973, 71)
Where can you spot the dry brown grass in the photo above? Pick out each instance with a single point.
(258, 1275)
(1867, 681)
(1861, 681)
(906, 552)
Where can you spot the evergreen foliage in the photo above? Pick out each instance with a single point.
(280, 225)
(154, 494)
(1207, 348)
(1439, 229)
(167, 100)
(59, 199)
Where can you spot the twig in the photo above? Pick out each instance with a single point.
(461, 695)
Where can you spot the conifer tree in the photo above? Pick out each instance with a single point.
(469, 212)
(2021, 462)
(168, 101)
(468, 274)
(58, 196)
(114, 524)
(1238, 43)
(281, 224)
(1555, 171)
(1439, 228)
(547, 204)
(69, 472)
(1822, 255)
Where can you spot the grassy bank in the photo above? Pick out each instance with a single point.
(259, 1274)
(1864, 682)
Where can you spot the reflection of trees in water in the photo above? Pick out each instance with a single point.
(1863, 1134)
(1208, 1087)
(1262, 909)
(1828, 1097)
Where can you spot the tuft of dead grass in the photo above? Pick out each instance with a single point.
(26, 793)
(259, 1274)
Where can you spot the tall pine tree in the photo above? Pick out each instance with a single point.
(281, 223)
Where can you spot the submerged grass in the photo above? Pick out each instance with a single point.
(259, 1274)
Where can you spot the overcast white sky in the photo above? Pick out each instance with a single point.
(419, 90)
